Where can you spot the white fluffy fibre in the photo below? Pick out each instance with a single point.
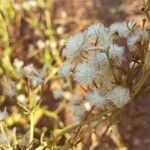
(91, 53)
(73, 45)
(3, 114)
(58, 94)
(22, 98)
(65, 69)
(134, 38)
(99, 60)
(144, 34)
(116, 51)
(85, 73)
(119, 96)
(7, 137)
(76, 98)
(94, 30)
(77, 111)
(36, 76)
(96, 99)
(104, 76)
(105, 40)
(9, 88)
(122, 28)
(18, 64)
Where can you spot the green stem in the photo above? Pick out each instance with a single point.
(54, 51)
(111, 67)
(31, 126)
(4, 134)
(73, 127)
(111, 120)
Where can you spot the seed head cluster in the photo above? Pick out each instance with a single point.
(98, 59)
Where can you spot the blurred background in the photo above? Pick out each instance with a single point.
(35, 31)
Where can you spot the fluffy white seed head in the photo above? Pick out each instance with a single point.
(134, 38)
(58, 94)
(73, 46)
(94, 30)
(7, 137)
(9, 88)
(99, 60)
(118, 28)
(104, 75)
(78, 112)
(92, 67)
(18, 64)
(119, 96)
(116, 51)
(22, 98)
(123, 29)
(85, 73)
(96, 99)
(65, 69)
(36, 76)
(76, 98)
(28, 69)
(105, 40)
(3, 114)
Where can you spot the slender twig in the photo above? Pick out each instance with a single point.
(73, 127)
(31, 126)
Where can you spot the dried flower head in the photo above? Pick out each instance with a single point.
(36, 76)
(119, 96)
(96, 99)
(9, 88)
(65, 69)
(85, 73)
(3, 114)
(73, 46)
(98, 59)
(18, 64)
